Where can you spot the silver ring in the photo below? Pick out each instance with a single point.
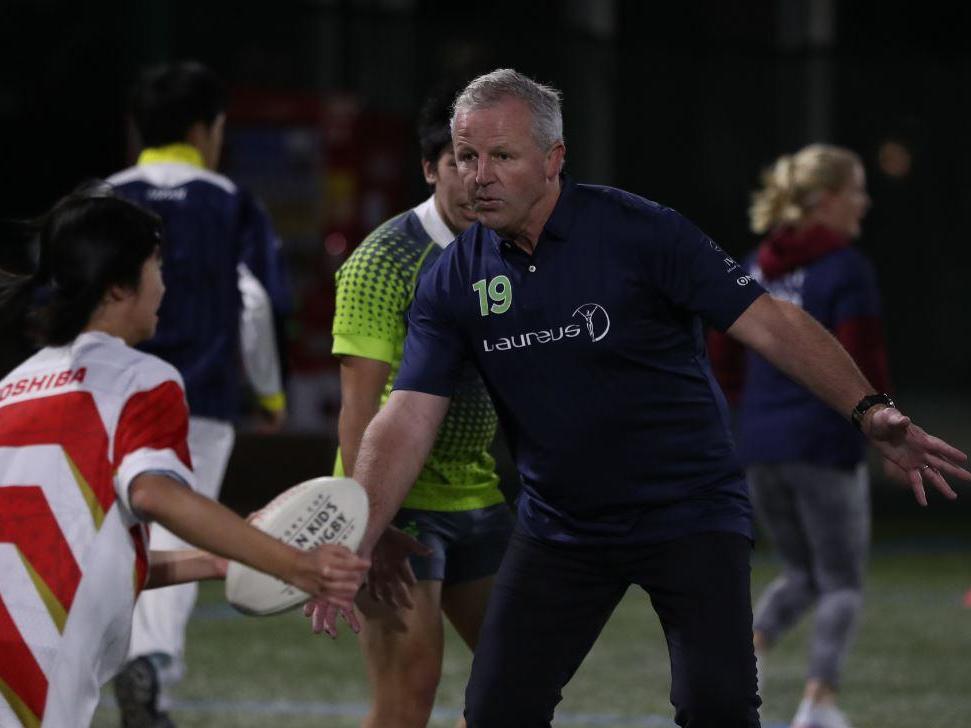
(924, 467)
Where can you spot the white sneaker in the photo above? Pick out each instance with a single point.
(814, 715)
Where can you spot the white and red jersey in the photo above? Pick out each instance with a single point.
(77, 424)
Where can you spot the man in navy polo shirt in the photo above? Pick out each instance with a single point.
(582, 309)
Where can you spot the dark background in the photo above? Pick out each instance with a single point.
(683, 103)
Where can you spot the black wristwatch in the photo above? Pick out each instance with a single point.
(856, 416)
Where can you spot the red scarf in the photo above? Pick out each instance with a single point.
(786, 249)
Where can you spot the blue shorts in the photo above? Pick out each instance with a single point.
(466, 545)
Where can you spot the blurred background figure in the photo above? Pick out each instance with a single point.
(223, 272)
(805, 462)
(455, 507)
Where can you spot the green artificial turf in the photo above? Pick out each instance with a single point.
(909, 667)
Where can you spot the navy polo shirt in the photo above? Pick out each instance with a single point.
(592, 349)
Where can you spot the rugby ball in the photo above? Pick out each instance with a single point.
(315, 512)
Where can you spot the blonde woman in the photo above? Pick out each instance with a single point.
(805, 462)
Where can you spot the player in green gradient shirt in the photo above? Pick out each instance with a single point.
(455, 507)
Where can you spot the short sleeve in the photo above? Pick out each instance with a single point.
(152, 435)
(373, 289)
(696, 274)
(435, 351)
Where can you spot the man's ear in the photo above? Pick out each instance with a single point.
(117, 293)
(219, 125)
(430, 171)
(198, 136)
(554, 160)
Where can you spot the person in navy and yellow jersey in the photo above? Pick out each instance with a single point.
(582, 308)
(455, 507)
(226, 285)
(806, 464)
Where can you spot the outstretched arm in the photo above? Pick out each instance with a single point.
(798, 345)
(327, 571)
(391, 455)
(166, 568)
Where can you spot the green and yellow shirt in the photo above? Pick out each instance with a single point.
(375, 287)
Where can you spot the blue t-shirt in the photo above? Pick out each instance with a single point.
(593, 353)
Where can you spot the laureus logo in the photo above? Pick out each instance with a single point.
(593, 315)
(596, 318)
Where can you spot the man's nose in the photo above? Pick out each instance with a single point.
(484, 171)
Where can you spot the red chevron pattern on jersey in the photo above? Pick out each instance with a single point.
(72, 421)
(26, 520)
(29, 524)
(22, 682)
(157, 418)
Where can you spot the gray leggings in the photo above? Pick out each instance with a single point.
(818, 518)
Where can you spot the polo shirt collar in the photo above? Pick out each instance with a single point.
(561, 219)
(180, 153)
(433, 223)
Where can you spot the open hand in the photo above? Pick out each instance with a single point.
(914, 457)
(323, 617)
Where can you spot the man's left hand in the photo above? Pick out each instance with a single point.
(913, 456)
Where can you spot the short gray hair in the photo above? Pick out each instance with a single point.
(543, 101)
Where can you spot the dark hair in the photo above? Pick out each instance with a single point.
(434, 134)
(168, 100)
(88, 242)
